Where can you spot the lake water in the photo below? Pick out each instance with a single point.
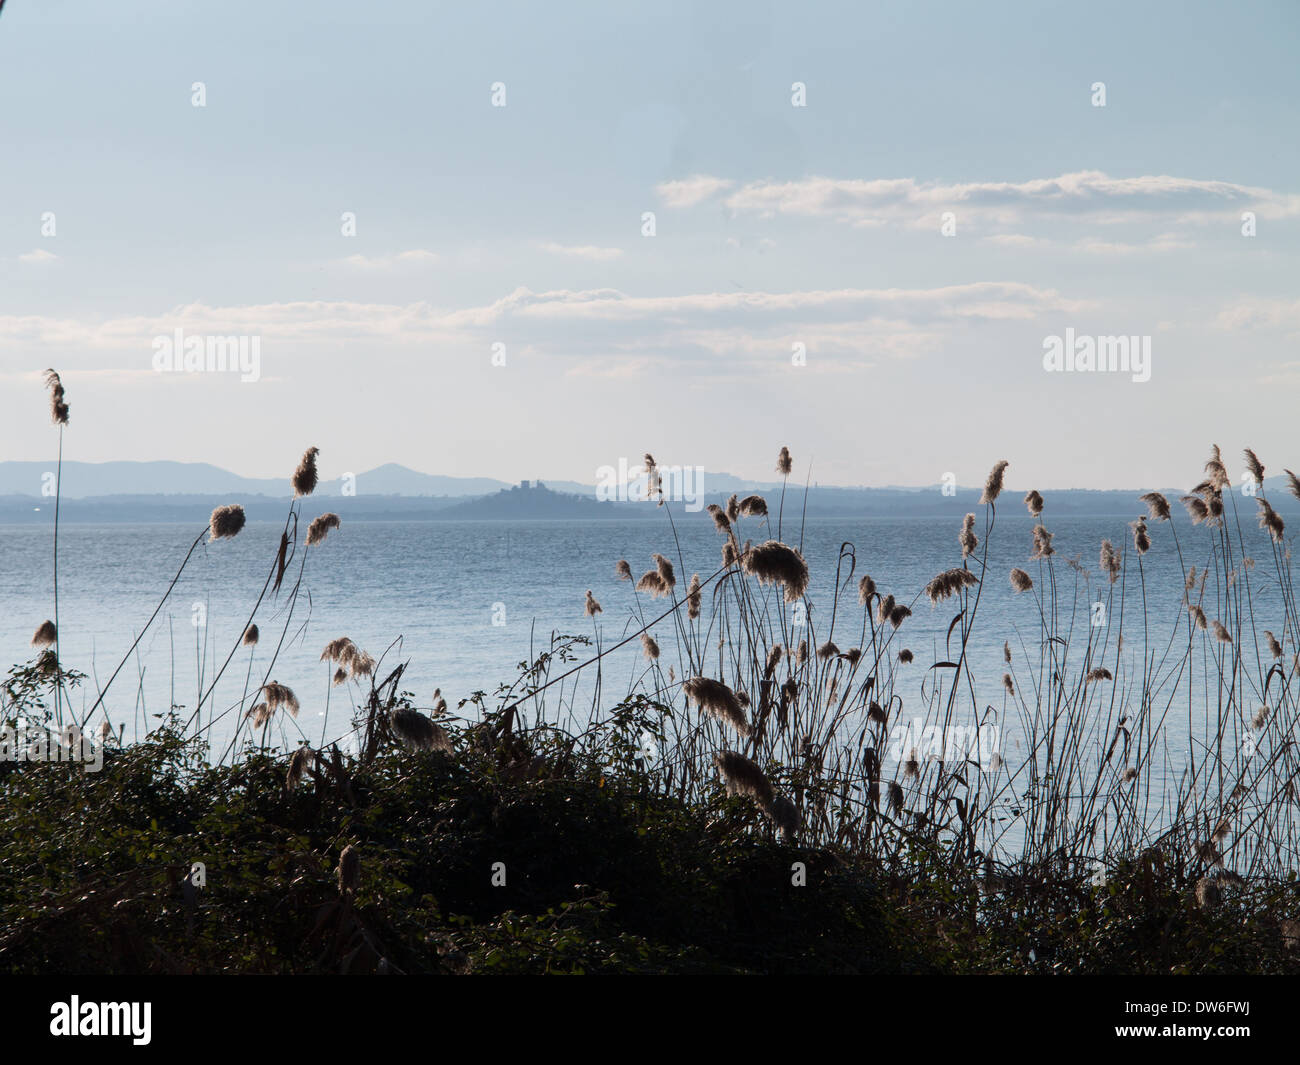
(469, 601)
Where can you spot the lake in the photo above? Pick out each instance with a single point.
(469, 601)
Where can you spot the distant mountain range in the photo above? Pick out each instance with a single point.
(185, 492)
(83, 480)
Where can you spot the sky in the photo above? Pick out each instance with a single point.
(799, 288)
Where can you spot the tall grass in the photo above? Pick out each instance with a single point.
(1099, 780)
(59, 415)
(749, 685)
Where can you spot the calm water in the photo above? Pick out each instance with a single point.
(436, 586)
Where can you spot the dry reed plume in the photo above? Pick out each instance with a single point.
(716, 699)
(776, 563)
(279, 695)
(304, 477)
(993, 486)
(1157, 506)
(418, 731)
(666, 574)
(948, 584)
(652, 581)
(743, 777)
(320, 528)
(226, 522)
(298, 763)
(58, 404)
(349, 870)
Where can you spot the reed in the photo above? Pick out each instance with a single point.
(59, 416)
(812, 732)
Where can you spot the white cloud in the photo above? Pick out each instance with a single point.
(583, 251)
(414, 257)
(1263, 315)
(39, 255)
(689, 192)
(990, 299)
(1016, 240)
(1163, 242)
(1288, 373)
(1089, 195)
(592, 328)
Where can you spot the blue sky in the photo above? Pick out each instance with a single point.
(775, 225)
